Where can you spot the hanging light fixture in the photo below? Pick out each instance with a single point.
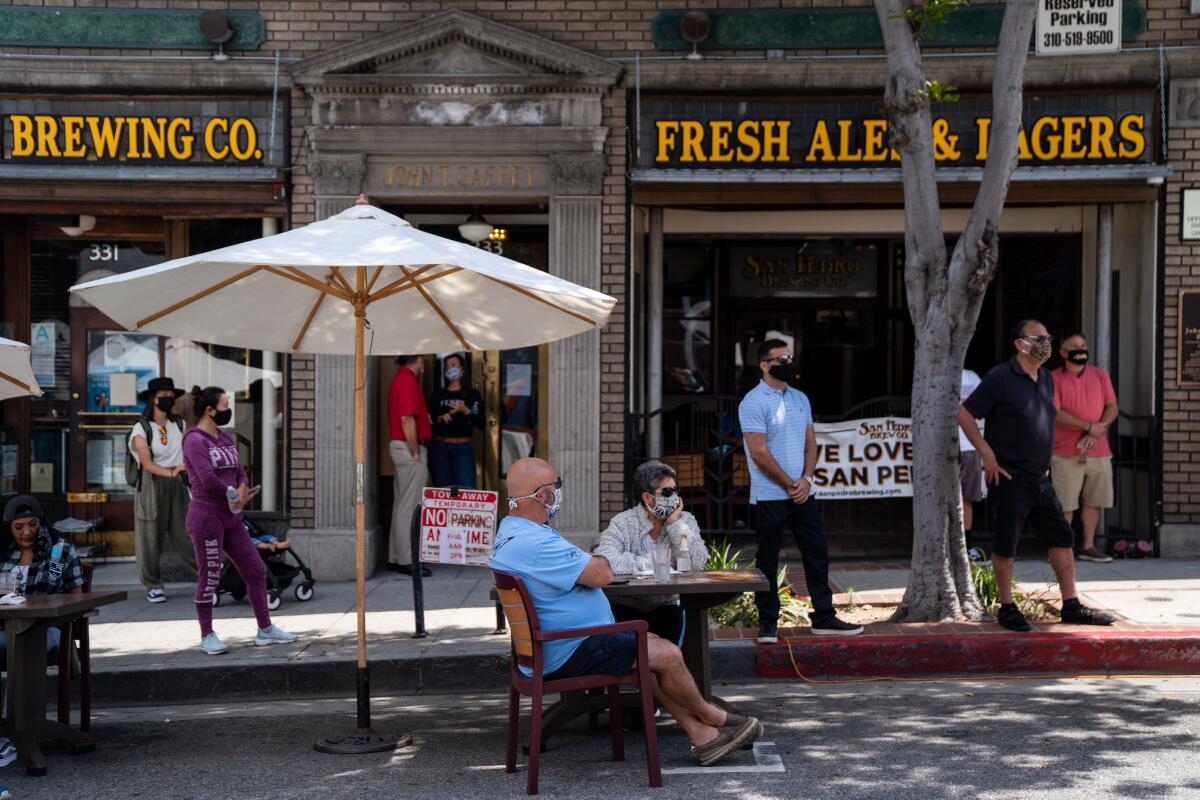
(476, 228)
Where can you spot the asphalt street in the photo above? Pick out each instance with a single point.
(1077, 739)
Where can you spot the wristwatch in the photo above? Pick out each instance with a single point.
(808, 478)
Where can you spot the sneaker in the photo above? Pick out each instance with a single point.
(835, 627)
(8, 753)
(728, 740)
(212, 645)
(1082, 615)
(156, 596)
(5, 794)
(768, 633)
(1013, 619)
(1094, 554)
(273, 635)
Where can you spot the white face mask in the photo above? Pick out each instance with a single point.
(552, 509)
(665, 506)
(453, 373)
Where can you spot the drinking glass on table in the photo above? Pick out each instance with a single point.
(8, 582)
(662, 561)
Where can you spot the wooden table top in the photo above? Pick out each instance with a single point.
(729, 581)
(55, 606)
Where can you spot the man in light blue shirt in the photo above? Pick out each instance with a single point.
(781, 445)
(564, 583)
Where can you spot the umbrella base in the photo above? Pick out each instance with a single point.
(362, 742)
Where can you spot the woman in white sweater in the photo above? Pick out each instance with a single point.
(629, 541)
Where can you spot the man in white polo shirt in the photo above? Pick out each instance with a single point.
(777, 426)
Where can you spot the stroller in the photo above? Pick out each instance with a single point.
(283, 567)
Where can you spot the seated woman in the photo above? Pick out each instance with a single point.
(39, 564)
(629, 541)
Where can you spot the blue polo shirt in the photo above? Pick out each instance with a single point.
(784, 416)
(550, 565)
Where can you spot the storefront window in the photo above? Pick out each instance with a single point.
(687, 320)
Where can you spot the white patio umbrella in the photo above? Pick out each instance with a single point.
(317, 289)
(16, 373)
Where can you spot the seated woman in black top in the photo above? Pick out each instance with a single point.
(457, 410)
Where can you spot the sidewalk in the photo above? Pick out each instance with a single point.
(1157, 600)
(146, 652)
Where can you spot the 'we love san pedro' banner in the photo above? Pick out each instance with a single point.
(864, 458)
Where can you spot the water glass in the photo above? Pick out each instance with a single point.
(8, 582)
(662, 562)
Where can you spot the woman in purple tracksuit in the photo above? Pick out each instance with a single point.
(214, 518)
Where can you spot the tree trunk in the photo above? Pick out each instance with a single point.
(944, 299)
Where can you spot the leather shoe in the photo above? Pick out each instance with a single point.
(406, 569)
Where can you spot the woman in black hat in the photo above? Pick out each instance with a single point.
(156, 441)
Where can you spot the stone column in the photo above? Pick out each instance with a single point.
(574, 374)
(328, 547)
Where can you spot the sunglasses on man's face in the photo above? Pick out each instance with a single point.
(1037, 339)
(786, 358)
(556, 485)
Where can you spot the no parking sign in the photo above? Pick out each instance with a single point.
(457, 526)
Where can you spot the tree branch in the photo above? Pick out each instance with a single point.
(910, 126)
(974, 261)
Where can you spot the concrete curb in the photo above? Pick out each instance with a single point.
(1040, 652)
(219, 681)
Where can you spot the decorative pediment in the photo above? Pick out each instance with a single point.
(460, 49)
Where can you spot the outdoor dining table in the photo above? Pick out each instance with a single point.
(25, 627)
(698, 592)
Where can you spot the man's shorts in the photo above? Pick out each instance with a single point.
(1025, 500)
(1093, 479)
(606, 654)
(970, 475)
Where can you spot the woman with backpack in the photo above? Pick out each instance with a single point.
(161, 500)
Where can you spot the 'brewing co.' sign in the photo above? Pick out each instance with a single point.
(148, 133)
(798, 134)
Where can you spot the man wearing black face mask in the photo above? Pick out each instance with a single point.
(781, 445)
(1016, 400)
(1082, 461)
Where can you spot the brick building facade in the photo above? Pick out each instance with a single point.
(587, 51)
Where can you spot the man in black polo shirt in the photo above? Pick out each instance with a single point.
(1016, 402)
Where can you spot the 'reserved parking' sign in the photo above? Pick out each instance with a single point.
(1066, 27)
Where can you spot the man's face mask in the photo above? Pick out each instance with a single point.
(1036, 347)
(783, 368)
(1079, 357)
(666, 502)
(552, 508)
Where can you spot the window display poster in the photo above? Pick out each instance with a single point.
(122, 389)
(518, 380)
(100, 389)
(41, 477)
(43, 347)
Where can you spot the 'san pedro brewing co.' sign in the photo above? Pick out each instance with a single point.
(1058, 129)
(142, 133)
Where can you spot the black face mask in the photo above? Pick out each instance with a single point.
(222, 417)
(1078, 356)
(783, 372)
(165, 404)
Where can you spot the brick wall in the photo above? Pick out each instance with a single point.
(1181, 406)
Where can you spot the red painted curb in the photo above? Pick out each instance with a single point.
(1051, 652)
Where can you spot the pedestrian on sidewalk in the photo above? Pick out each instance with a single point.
(161, 499)
(628, 544)
(214, 520)
(458, 413)
(1082, 460)
(970, 471)
(1016, 402)
(409, 428)
(777, 427)
(564, 583)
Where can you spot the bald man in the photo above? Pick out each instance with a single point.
(564, 583)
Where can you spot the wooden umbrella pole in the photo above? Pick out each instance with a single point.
(360, 544)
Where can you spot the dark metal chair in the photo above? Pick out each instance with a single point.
(527, 641)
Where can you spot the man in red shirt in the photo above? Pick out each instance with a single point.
(409, 428)
(1082, 462)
